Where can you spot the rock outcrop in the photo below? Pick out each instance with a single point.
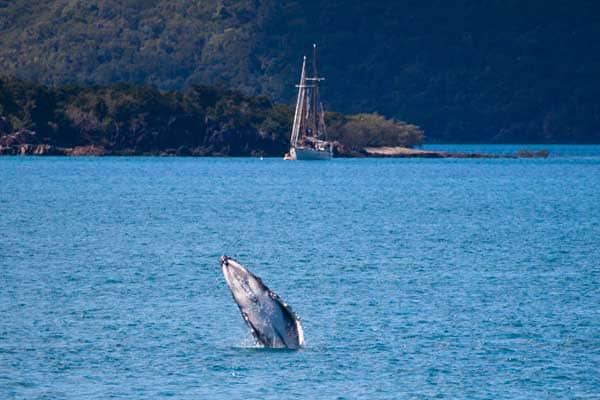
(404, 152)
(31, 150)
(25, 142)
(22, 136)
(86, 151)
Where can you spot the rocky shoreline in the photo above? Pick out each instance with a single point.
(96, 151)
(27, 143)
(405, 152)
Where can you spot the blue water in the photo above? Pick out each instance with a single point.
(414, 278)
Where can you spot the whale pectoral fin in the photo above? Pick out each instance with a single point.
(293, 335)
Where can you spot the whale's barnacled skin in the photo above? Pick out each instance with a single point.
(271, 321)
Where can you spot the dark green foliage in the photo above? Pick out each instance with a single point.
(373, 130)
(466, 71)
(203, 120)
(138, 120)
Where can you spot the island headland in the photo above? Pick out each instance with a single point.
(130, 120)
(124, 119)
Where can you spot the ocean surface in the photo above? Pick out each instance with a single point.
(414, 278)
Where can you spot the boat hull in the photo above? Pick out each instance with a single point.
(310, 154)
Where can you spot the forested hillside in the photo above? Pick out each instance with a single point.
(466, 71)
(200, 120)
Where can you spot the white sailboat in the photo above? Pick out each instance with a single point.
(308, 139)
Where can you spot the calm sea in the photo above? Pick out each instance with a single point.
(414, 279)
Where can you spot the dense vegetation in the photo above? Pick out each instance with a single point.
(500, 71)
(202, 120)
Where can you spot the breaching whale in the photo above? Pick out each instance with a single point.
(271, 321)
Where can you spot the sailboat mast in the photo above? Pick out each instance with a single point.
(315, 94)
(300, 102)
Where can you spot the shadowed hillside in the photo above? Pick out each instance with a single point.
(500, 71)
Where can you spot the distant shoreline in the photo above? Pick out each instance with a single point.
(368, 152)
